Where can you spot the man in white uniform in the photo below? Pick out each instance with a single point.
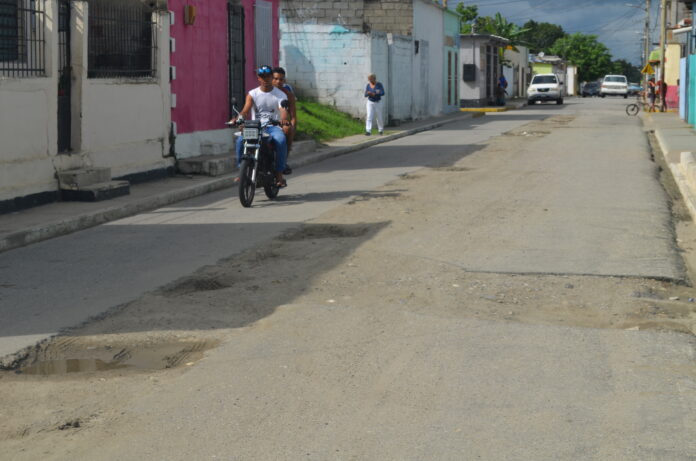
(264, 104)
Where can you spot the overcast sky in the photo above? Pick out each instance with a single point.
(618, 26)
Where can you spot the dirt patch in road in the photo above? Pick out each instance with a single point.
(340, 260)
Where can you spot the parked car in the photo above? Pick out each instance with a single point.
(614, 85)
(590, 89)
(634, 88)
(545, 87)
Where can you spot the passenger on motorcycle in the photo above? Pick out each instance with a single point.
(264, 104)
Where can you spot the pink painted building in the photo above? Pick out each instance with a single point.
(214, 56)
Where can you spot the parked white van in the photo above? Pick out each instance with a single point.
(614, 85)
(545, 87)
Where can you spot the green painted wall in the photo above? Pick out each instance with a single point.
(692, 89)
(542, 68)
(451, 51)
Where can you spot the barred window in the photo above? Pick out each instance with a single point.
(122, 40)
(22, 38)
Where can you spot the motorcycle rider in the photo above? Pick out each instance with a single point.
(279, 81)
(264, 103)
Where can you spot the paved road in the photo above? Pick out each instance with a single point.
(62, 282)
(380, 380)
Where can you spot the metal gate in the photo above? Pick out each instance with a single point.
(64, 76)
(236, 59)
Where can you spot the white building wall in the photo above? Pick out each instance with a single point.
(428, 71)
(125, 126)
(28, 125)
(400, 99)
(115, 123)
(518, 61)
(328, 63)
(470, 53)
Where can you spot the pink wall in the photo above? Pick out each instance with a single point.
(201, 84)
(672, 97)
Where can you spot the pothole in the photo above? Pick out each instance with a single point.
(320, 231)
(528, 134)
(452, 168)
(54, 358)
(196, 284)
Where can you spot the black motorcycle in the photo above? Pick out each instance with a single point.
(258, 163)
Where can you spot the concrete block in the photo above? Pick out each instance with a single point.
(77, 179)
(208, 165)
(98, 192)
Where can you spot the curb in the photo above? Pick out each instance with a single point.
(37, 234)
(679, 177)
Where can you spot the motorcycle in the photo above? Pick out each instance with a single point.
(258, 162)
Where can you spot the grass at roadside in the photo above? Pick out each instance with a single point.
(323, 123)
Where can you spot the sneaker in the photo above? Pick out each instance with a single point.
(367, 133)
(381, 133)
(287, 170)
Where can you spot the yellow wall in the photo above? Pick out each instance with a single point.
(672, 58)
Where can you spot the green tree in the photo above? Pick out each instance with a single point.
(623, 67)
(467, 15)
(592, 57)
(500, 26)
(540, 36)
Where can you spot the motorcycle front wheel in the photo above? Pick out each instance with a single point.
(247, 188)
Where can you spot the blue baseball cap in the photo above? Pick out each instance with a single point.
(264, 70)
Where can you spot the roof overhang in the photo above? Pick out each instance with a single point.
(494, 39)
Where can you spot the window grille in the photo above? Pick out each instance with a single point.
(263, 22)
(122, 39)
(22, 38)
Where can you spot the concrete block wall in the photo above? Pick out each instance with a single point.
(347, 13)
(327, 63)
(392, 16)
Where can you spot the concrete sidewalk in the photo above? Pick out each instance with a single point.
(61, 218)
(677, 139)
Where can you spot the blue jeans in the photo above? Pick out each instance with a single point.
(278, 139)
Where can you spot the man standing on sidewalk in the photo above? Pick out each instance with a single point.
(374, 92)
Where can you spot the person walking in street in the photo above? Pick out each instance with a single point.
(501, 91)
(651, 95)
(374, 92)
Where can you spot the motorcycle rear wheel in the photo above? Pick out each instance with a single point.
(247, 188)
(271, 191)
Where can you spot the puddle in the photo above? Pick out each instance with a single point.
(56, 360)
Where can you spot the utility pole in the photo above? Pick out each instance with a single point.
(646, 44)
(663, 41)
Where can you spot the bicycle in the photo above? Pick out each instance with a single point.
(633, 108)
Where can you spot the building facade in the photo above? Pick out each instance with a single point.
(82, 85)
(329, 51)
(215, 51)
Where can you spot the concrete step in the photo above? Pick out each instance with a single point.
(209, 165)
(80, 178)
(97, 192)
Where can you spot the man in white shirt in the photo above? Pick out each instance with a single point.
(264, 103)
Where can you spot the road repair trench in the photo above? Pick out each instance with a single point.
(421, 247)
